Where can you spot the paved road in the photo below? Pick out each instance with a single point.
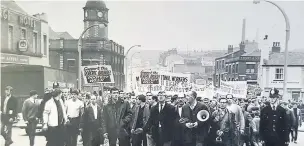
(20, 139)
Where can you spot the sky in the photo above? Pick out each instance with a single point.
(162, 25)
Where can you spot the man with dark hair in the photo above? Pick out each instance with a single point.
(140, 118)
(54, 119)
(74, 108)
(29, 113)
(117, 117)
(196, 131)
(8, 114)
(160, 122)
(174, 99)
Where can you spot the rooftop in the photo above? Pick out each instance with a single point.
(98, 4)
(58, 35)
(12, 5)
(294, 58)
(253, 53)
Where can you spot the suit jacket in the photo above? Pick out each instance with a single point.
(178, 130)
(267, 124)
(165, 118)
(146, 115)
(202, 130)
(11, 109)
(117, 118)
(298, 118)
(88, 120)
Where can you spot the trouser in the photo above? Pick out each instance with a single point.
(177, 143)
(31, 130)
(6, 132)
(55, 136)
(150, 141)
(294, 133)
(72, 131)
(139, 139)
(194, 144)
(245, 139)
(275, 144)
(121, 141)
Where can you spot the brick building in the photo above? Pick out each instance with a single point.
(239, 64)
(25, 52)
(96, 47)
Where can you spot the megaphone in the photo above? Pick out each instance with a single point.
(203, 115)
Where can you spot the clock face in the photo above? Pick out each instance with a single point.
(99, 14)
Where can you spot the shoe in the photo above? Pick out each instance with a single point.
(9, 142)
(295, 142)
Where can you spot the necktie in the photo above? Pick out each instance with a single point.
(60, 112)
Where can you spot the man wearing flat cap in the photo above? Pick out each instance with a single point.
(8, 114)
(274, 129)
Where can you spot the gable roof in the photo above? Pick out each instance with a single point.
(256, 52)
(294, 58)
(57, 35)
(12, 5)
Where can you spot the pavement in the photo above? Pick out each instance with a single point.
(21, 139)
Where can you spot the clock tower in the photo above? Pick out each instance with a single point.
(96, 12)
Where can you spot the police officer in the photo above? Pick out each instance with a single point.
(274, 123)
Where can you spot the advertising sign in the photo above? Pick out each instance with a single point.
(15, 59)
(97, 74)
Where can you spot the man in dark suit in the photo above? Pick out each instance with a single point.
(196, 131)
(117, 117)
(178, 129)
(140, 118)
(8, 114)
(91, 124)
(160, 121)
(274, 129)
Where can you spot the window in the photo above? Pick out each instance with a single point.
(226, 68)
(35, 42)
(96, 31)
(223, 64)
(61, 43)
(229, 68)
(279, 74)
(23, 33)
(71, 63)
(45, 51)
(61, 62)
(250, 68)
(237, 68)
(232, 68)
(10, 37)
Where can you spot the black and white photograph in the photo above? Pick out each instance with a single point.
(152, 73)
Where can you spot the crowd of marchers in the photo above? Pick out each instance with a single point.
(153, 120)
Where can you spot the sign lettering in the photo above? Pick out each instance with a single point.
(16, 59)
(97, 74)
(27, 21)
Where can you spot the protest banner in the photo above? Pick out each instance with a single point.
(162, 81)
(97, 74)
(236, 88)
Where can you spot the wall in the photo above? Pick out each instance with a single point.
(36, 57)
(295, 79)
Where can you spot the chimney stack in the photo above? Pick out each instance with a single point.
(242, 46)
(230, 48)
(276, 48)
(244, 30)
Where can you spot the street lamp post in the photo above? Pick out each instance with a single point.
(126, 62)
(79, 53)
(286, 43)
(132, 70)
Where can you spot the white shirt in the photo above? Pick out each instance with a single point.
(50, 113)
(161, 107)
(5, 104)
(194, 104)
(94, 110)
(73, 108)
(180, 111)
(274, 106)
